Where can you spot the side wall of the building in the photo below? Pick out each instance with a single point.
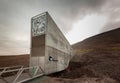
(57, 46)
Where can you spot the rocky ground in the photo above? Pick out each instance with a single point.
(14, 60)
(96, 60)
(103, 68)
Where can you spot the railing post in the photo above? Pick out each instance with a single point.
(18, 74)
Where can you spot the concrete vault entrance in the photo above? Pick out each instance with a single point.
(49, 48)
(50, 52)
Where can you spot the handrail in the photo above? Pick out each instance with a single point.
(32, 72)
(11, 67)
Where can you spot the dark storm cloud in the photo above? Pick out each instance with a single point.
(72, 10)
(67, 11)
(15, 17)
(64, 12)
(112, 9)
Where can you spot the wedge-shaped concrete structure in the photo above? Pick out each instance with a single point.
(49, 47)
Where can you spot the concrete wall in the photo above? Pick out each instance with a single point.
(37, 55)
(57, 46)
(55, 37)
(51, 43)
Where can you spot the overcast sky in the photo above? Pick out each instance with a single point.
(77, 19)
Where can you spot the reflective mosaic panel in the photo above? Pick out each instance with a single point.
(38, 25)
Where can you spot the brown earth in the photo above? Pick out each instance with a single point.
(78, 80)
(14, 60)
(96, 60)
(95, 57)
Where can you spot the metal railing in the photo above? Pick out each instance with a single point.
(18, 74)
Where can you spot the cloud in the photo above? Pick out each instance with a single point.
(89, 26)
(65, 13)
(15, 17)
(112, 9)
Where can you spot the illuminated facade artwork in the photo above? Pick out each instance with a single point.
(38, 25)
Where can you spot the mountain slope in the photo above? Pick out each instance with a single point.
(14, 60)
(97, 56)
(110, 38)
(100, 54)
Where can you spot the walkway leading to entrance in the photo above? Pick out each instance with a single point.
(18, 74)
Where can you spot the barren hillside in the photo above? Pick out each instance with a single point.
(97, 56)
(14, 60)
(96, 60)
